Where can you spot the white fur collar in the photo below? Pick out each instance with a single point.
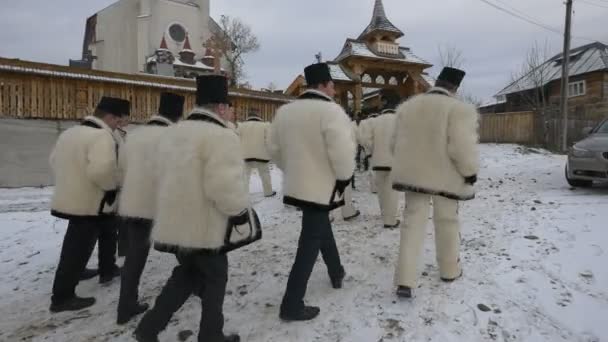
(98, 122)
(203, 111)
(161, 119)
(440, 90)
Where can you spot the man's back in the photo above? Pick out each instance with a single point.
(138, 158)
(254, 139)
(84, 165)
(436, 145)
(313, 145)
(200, 184)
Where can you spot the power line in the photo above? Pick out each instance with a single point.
(594, 4)
(516, 13)
(530, 21)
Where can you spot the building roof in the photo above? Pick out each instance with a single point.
(380, 22)
(340, 74)
(155, 81)
(584, 59)
(358, 48)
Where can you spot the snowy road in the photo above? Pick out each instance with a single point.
(534, 253)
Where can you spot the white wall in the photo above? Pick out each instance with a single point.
(129, 31)
(116, 33)
(26, 146)
(194, 19)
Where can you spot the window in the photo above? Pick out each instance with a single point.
(177, 32)
(576, 88)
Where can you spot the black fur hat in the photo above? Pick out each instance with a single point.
(452, 75)
(171, 106)
(211, 89)
(317, 74)
(114, 106)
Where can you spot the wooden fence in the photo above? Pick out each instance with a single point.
(44, 91)
(517, 127)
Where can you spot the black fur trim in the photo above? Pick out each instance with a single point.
(314, 96)
(205, 118)
(248, 160)
(437, 92)
(302, 204)
(254, 118)
(136, 220)
(157, 123)
(404, 187)
(91, 124)
(382, 168)
(67, 216)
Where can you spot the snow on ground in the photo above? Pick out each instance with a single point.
(533, 253)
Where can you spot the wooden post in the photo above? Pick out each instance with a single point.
(565, 75)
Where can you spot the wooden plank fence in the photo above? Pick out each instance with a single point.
(517, 128)
(31, 90)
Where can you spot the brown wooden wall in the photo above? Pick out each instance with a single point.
(52, 96)
(515, 127)
(594, 83)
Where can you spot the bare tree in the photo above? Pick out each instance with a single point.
(471, 99)
(237, 41)
(450, 56)
(529, 84)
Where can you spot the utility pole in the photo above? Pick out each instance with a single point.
(565, 74)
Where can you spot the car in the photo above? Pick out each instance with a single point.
(588, 158)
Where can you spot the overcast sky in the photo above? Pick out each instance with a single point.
(291, 32)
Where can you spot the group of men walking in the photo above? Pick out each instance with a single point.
(183, 187)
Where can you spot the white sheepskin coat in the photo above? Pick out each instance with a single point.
(84, 165)
(436, 146)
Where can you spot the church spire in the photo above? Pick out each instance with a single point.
(187, 46)
(380, 23)
(163, 44)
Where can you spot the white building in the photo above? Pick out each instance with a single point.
(155, 36)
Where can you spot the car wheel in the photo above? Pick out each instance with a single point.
(578, 183)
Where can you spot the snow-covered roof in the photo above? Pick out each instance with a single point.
(359, 48)
(87, 76)
(338, 73)
(380, 22)
(584, 59)
(196, 65)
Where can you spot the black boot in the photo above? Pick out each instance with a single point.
(73, 304)
(141, 336)
(272, 194)
(232, 338)
(336, 281)
(306, 313)
(106, 278)
(447, 280)
(125, 315)
(89, 273)
(356, 214)
(404, 292)
(388, 226)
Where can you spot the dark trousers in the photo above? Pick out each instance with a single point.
(78, 244)
(107, 244)
(316, 236)
(123, 236)
(203, 275)
(138, 239)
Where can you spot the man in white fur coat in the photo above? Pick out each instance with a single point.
(84, 164)
(255, 136)
(382, 163)
(436, 158)
(201, 199)
(366, 128)
(137, 202)
(312, 143)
